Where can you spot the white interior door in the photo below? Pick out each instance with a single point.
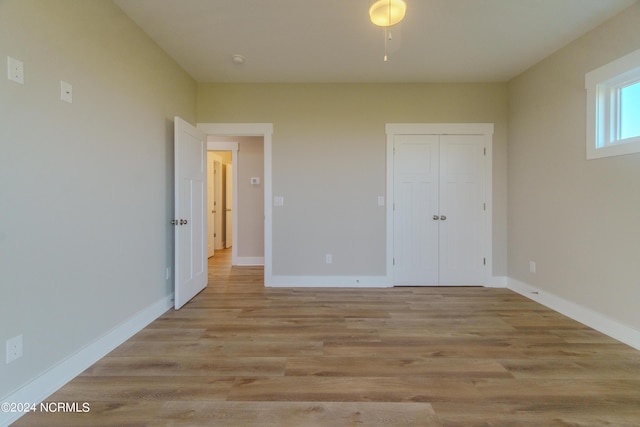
(190, 220)
(416, 187)
(461, 210)
(229, 205)
(219, 235)
(438, 212)
(214, 203)
(211, 206)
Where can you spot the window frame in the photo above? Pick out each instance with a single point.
(603, 107)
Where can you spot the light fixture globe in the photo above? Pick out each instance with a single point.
(385, 13)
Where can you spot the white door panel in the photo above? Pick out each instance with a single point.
(416, 201)
(219, 235)
(461, 202)
(190, 219)
(211, 207)
(229, 205)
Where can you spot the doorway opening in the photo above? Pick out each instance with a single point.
(265, 131)
(238, 215)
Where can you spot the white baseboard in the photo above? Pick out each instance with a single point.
(53, 379)
(497, 282)
(330, 281)
(352, 281)
(249, 261)
(584, 315)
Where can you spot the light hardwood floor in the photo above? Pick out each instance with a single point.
(243, 355)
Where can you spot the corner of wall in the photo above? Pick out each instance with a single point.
(601, 323)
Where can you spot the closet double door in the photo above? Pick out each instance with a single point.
(439, 209)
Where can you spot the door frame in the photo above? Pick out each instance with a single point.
(484, 129)
(265, 130)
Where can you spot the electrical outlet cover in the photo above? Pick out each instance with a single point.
(15, 70)
(14, 348)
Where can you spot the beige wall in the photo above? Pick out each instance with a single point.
(250, 198)
(86, 193)
(329, 161)
(577, 219)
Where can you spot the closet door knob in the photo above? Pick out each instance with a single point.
(443, 217)
(436, 217)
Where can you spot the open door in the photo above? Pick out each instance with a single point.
(190, 222)
(211, 209)
(229, 205)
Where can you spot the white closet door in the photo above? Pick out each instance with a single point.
(416, 181)
(438, 217)
(461, 203)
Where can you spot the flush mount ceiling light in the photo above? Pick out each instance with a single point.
(237, 59)
(385, 13)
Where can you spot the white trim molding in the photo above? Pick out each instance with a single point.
(598, 321)
(265, 130)
(222, 146)
(57, 376)
(331, 281)
(249, 261)
(497, 282)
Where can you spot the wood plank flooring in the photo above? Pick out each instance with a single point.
(243, 355)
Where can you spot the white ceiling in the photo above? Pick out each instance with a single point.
(333, 40)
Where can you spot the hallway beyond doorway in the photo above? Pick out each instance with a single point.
(225, 277)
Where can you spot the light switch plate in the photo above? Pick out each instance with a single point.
(66, 92)
(278, 201)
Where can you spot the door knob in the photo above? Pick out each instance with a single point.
(174, 222)
(443, 217)
(436, 217)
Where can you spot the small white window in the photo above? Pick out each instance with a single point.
(613, 108)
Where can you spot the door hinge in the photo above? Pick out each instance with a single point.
(484, 206)
(485, 151)
(394, 261)
(484, 261)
